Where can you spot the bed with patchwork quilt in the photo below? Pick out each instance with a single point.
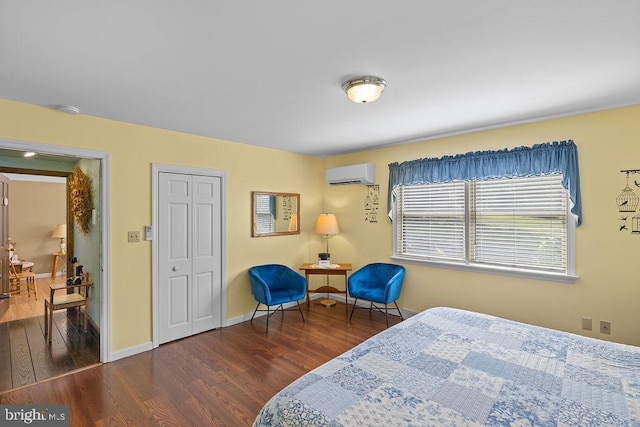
(450, 367)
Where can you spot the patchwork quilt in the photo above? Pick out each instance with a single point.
(449, 367)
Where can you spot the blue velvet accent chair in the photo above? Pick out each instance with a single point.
(378, 283)
(275, 285)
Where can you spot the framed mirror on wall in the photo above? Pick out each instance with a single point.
(274, 214)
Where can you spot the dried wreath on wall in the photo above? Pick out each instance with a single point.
(81, 200)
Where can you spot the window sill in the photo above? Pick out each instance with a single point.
(527, 274)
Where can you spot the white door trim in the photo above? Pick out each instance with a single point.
(156, 169)
(105, 241)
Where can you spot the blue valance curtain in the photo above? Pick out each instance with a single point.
(541, 159)
(272, 206)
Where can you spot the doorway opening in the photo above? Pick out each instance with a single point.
(71, 348)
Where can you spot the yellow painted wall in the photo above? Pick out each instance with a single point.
(133, 149)
(609, 284)
(607, 260)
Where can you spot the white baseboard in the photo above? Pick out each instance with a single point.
(48, 275)
(247, 316)
(337, 297)
(121, 354)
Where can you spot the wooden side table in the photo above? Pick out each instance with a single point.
(341, 270)
(54, 268)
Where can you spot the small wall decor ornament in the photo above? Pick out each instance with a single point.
(81, 198)
(635, 225)
(627, 201)
(372, 203)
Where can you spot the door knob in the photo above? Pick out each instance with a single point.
(175, 269)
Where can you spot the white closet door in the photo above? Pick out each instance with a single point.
(189, 255)
(206, 253)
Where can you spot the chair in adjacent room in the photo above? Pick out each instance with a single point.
(75, 295)
(275, 285)
(17, 275)
(378, 283)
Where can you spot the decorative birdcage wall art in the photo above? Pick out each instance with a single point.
(627, 201)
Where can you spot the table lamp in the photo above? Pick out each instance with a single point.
(326, 226)
(60, 233)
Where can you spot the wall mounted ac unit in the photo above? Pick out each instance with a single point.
(364, 173)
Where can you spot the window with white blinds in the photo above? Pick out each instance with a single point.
(508, 223)
(264, 216)
(432, 221)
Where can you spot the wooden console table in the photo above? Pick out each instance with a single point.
(341, 270)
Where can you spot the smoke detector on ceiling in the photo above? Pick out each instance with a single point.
(68, 109)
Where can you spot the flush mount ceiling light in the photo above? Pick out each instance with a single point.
(29, 154)
(364, 89)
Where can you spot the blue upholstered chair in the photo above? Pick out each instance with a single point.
(275, 284)
(378, 283)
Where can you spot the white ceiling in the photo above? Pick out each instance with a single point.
(270, 73)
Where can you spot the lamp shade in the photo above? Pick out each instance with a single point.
(293, 222)
(60, 232)
(327, 225)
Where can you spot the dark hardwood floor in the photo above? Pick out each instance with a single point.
(26, 357)
(217, 378)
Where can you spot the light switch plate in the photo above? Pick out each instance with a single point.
(148, 232)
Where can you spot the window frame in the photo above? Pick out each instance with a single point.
(467, 265)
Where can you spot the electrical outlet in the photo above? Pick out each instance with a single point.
(605, 327)
(586, 323)
(133, 236)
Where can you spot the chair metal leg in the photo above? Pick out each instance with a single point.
(354, 307)
(272, 312)
(399, 312)
(300, 310)
(266, 331)
(386, 315)
(379, 308)
(254, 312)
(281, 308)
